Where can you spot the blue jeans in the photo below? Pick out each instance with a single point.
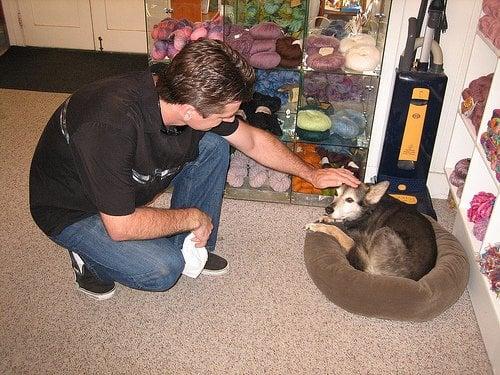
(156, 264)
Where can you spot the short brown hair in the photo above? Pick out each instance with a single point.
(207, 74)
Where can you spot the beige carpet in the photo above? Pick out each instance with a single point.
(264, 317)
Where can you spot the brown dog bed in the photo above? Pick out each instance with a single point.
(388, 297)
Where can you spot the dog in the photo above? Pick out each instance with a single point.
(380, 234)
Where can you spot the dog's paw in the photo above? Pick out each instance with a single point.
(314, 227)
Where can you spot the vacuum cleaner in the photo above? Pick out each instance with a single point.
(415, 110)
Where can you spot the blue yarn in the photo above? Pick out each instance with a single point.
(269, 81)
(348, 123)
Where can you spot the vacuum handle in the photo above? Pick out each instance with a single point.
(406, 60)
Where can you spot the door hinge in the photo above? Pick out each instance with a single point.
(19, 20)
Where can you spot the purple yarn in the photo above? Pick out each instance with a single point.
(462, 167)
(266, 30)
(333, 87)
(479, 229)
(456, 179)
(265, 60)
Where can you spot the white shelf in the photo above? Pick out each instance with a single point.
(483, 60)
(453, 188)
(488, 167)
(488, 42)
(468, 125)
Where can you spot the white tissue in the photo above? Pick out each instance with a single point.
(195, 258)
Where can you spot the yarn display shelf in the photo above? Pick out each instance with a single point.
(488, 167)
(344, 71)
(336, 141)
(453, 188)
(314, 200)
(468, 125)
(484, 299)
(262, 194)
(488, 42)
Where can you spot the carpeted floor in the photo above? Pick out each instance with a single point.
(62, 70)
(264, 317)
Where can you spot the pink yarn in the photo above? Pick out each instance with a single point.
(257, 174)
(198, 33)
(263, 45)
(238, 169)
(481, 207)
(265, 60)
(279, 181)
(491, 7)
(266, 30)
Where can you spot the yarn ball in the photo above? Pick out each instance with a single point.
(266, 30)
(312, 136)
(460, 190)
(279, 181)
(265, 60)
(238, 169)
(481, 206)
(329, 62)
(198, 33)
(257, 174)
(263, 45)
(479, 229)
(290, 52)
(357, 40)
(159, 50)
(336, 28)
(216, 33)
(348, 123)
(270, 82)
(238, 38)
(462, 167)
(456, 179)
(287, 48)
(315, 42)
(313, 120)
(362, 58)
(489, 263)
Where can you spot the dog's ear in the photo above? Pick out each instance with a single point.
(376, 192)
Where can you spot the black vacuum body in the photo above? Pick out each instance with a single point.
(411, 131)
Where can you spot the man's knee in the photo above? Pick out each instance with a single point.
(161, 278)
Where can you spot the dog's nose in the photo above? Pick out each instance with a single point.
(329, 210)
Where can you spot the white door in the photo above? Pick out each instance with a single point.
(119, 25)
(57, 23)
(113, 25)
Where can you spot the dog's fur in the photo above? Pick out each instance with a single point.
(380, 234)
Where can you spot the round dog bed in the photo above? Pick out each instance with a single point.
(388, 297)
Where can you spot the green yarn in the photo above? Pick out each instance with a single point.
(313, 120)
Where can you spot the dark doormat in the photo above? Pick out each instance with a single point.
(62, 70)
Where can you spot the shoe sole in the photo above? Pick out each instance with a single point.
(96, 296)
(215, 272)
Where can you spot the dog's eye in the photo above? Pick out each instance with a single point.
(349, 200)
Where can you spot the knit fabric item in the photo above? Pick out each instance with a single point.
(348, 123)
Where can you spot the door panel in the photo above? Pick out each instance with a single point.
(121, 24)
(57, 23)
(189, 9)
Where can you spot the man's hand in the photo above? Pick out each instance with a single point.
(203, 230)
(332, 177)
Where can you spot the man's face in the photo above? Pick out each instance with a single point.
(198, 122)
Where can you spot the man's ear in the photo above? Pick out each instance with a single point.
(187, 111)
(376, 192)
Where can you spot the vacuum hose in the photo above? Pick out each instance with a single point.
(437, 55)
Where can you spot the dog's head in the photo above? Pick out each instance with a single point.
(351, 203)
